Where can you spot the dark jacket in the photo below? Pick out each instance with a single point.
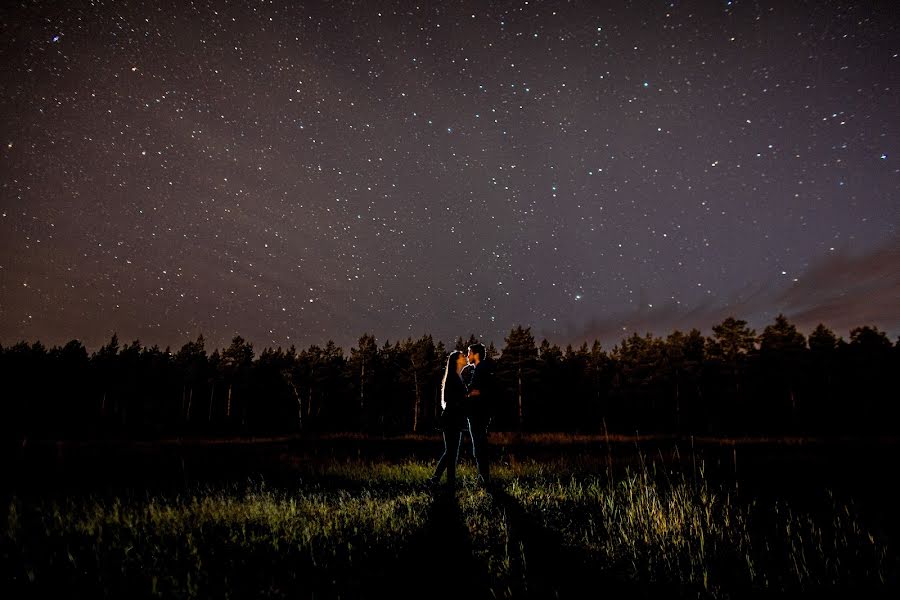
(454, 416)
(482, 405)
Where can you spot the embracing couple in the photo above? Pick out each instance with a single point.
(466, 399)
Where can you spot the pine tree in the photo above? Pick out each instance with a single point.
(782, 349)
(363, 361)
(518, 363)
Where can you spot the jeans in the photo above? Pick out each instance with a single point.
(478, 429)
(452, 441)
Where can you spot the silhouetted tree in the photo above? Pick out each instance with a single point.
(215, 369)
(237, 360)
(418, 366)
(161, 380)
(135, 404)
(69, 383)
(869, 358)
(392, 390)
(683, 382)
(694, 352)
(575, 395)
(823, 346)
(104, 363)
(601, 373)
(517, 365)
(25, 365)
(274, 405)
(729, 350)
(681, 357)
(363, 362)
(332, 384)
(552, 400)
(639, 362)
(732, 340)
(288, 372)
(192, 362)
(783, 353)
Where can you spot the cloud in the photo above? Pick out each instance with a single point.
(848, 291)
(841, 290)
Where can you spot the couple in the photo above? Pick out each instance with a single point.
(466, 397)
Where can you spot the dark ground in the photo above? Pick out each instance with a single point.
(439, 561)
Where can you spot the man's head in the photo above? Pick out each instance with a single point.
(476, 353)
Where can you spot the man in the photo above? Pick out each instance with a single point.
(480, 408)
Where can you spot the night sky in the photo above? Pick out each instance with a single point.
(299, 172)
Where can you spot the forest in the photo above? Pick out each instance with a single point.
(736, 382)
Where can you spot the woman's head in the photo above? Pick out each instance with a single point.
(456, 361)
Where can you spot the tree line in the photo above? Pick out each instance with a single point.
(736, 381)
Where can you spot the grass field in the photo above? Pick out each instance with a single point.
(563, 524)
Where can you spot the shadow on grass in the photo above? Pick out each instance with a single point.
(543, 565)
(439, 561)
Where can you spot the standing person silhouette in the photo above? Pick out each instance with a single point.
(453, 418)
(479, 409)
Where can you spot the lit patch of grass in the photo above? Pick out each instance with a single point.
(346, 522)
(380, 474)
(489, 529)
(671, 528)
(185, 543)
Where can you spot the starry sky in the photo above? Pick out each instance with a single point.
(295, 172)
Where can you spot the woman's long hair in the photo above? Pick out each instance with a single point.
(451, 364)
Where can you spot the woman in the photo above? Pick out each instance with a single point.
(453, 420)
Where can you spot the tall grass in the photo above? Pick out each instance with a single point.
(652, 524)
(344, 524)
(212, 541)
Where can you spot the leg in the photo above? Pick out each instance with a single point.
(445, 457)
(480, 451)
(452, 440)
